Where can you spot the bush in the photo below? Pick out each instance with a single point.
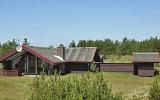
(94, 68)
(157, 65)
(156, 72)
(155, 90)
(1, 66)
(87, 86)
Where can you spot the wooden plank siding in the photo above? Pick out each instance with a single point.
(10, 72)
(144, 69)
(142, 72)
(116, 67)
(76, 67)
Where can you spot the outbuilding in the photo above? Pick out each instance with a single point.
(144, 63)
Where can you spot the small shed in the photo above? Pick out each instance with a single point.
(144, 63)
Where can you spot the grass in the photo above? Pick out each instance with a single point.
(118, 59)
(14, 88)
(133, 87)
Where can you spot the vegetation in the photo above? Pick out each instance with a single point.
(72, 44)
(156, 71)
(155, 90)
(87, 87)
(1, 66)
(14, 88)
(10, 45)
(132, 87)
(94, 67)
(118, 59)
(106, 46)
(124, 47)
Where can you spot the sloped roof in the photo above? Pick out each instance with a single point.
(80, 54)
(146, 57)
(46, 52)
(76, 54)
(11, 53)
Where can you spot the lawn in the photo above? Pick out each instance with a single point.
(14, 88)
(133, 87)
(118, 59)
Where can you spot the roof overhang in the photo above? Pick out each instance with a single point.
(38, 55)
(7, 55)
(146, 57)
(26, 48)
(16, 55)
(77, 62)
(145, 61)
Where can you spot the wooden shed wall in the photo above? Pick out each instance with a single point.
(144, 69)
(116, 67)
(76, 67)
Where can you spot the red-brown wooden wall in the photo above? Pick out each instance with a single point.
(116, 67)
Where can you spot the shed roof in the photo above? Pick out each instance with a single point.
(146, 57)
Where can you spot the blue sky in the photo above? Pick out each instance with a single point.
(51, 22)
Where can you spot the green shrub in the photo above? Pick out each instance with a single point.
(156, 71)
(1, 66)
(157, 65)
(87, 86)
(94, 68)
(155, 90)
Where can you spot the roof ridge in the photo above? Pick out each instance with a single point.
(146, 53)
(56, 48)
(41, 47)
(82, 47)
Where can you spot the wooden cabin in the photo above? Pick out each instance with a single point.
(144, 63)
(32, 60)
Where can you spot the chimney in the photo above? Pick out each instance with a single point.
(61, 52)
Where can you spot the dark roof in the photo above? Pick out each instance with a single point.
(38, 54)
(76, 54)
(11, 53)
(80, 54)
(46, 52)
(146, 57)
